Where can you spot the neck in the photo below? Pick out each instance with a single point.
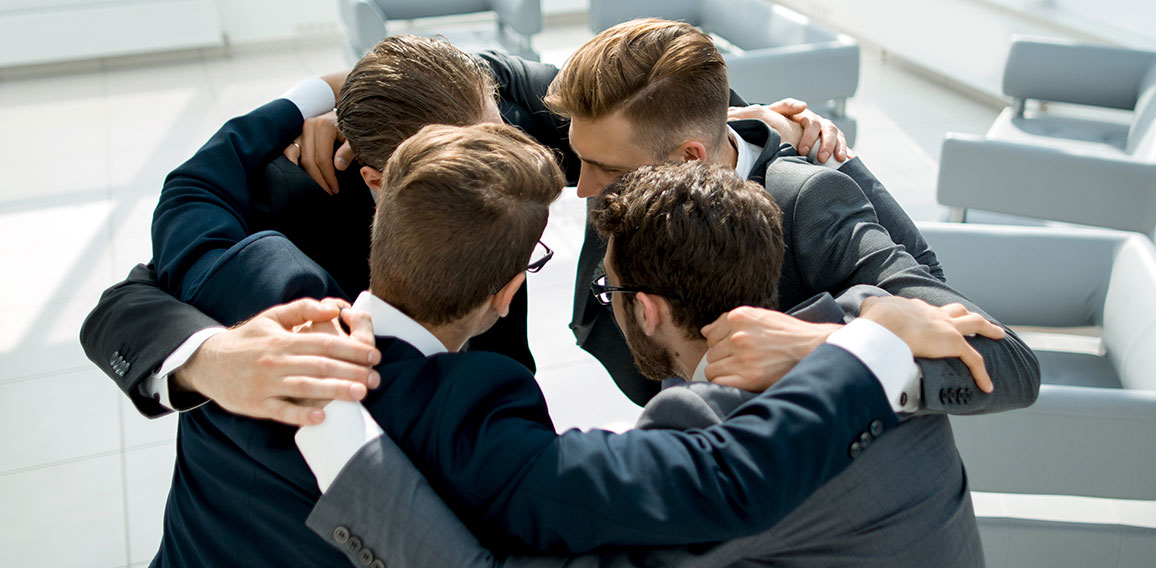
(728, 155)
(453, 335)
(687, 353)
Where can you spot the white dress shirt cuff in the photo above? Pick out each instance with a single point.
(888, 357)
(157, 386)
(813, 157)
(328, 446)
(313, 97)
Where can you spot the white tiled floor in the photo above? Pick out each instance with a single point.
(83, 152)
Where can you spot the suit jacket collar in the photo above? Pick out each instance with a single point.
(758, 133)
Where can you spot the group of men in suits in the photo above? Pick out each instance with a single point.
(459, 212)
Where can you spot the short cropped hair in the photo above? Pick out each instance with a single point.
(460, 212)
(696, 234)
(404, 84)
(667, 77)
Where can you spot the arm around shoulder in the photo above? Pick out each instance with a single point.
(132, 330)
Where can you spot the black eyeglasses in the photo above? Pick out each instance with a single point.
(602, 290)
(543, 258)
(542, 254)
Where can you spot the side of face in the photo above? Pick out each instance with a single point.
(652, 358)
(608, 149)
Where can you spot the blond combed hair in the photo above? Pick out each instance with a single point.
(668, 79)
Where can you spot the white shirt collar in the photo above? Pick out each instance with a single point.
(390, 321)
(700, 371)
(748, 154)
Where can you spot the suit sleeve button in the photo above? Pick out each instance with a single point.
(856, 449)
(365, 556)
(864, 440)
(377, 564)
(876, 428)
(354, 544)
(341, 534)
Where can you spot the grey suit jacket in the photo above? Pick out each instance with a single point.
(905, 503)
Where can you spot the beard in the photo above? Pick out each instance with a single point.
(653, 360)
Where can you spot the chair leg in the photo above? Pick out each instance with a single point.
(957, 215)
(840, 109)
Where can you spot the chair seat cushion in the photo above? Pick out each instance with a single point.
(1080, 135)
(1077, 370)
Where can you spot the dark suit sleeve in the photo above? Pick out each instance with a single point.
(521, 86)
(204, 204)
(892, 217)
(133, 328)
(496, 460)
(840, 243)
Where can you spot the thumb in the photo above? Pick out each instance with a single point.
(343, 157)
(301, 311)
(788, 106)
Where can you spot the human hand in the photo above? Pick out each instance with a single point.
(263, 369)
(752, 348)
(815, 129)
(313, 151)
(789, 131)
(935, 332)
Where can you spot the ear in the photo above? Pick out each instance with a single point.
(372, 178)
(500, 301)
(689, 151)
(650, 311)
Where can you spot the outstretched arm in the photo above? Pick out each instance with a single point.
(840, 243)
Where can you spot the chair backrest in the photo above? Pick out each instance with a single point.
(1129, 314)
(1047, 70)
(608, 13)
(525, 16)
(1142, 133)
(1032, 276)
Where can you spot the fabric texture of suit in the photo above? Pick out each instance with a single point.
(905, 503)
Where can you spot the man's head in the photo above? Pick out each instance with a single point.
(460, 213)
(642, 92)
(404, 84)
(695, 241)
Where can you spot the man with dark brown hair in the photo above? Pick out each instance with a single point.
(719, 245)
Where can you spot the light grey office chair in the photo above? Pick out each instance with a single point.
(364, 21)
(1092, 432)
(1082, 166)
(771, 52)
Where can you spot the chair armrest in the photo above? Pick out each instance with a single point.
(524, 16)
(1044, 69)
(1047, 183)
(1023, 275)
(1073, 441)
(811, 72)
